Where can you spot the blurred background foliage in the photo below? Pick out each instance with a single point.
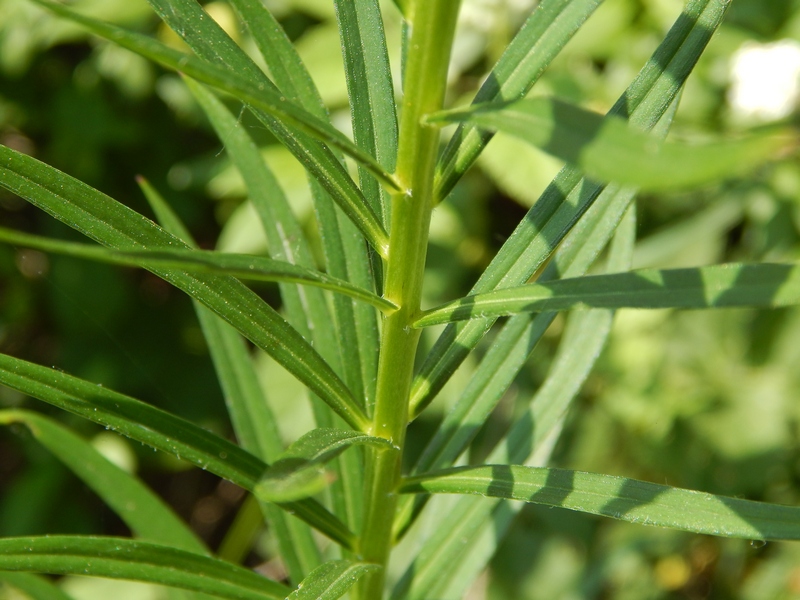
(705, 400)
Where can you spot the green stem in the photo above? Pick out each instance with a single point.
(433, 24)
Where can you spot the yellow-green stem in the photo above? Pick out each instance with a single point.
(433, 24)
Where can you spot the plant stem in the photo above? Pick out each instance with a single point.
(433, 24)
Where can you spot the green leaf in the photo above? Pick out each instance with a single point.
(120, 558)
(34, 586)
(369, 85)
(112, 224)
(762, 285)
(144, 512)
(331, 580)
(265, 98)
(158, 429)
(570, 195)
(240, 266)
(298, 473)
(619, 498)
(547, 30)
(253, 422)
(608, 149)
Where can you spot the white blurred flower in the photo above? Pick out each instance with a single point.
(765, 80)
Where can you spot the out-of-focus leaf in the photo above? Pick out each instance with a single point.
(619, 498)
(35, 586)
(140, 509)
(121, 558)
(608, 149)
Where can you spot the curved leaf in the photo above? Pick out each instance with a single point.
(298, 472)
(112, 224)
(607, 149)
(331, 580)
(121, 558)
(241, 266)
(141, 510)
(159, 429)
(619, 498)
(762, 285)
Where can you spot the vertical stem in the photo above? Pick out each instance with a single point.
(433, 24)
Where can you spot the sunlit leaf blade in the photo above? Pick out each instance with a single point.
(267, 99)
(607, 149)
(141, 510)
(33, 586)
(762, 285)
(299, 473)
(473, 528)
(618, 497)
(369, 84)
(331, 580)
(112, 224)
(569, 195)
(156, 428)
(241, 266)
(120, 558)
(548, 29)
(253, 421)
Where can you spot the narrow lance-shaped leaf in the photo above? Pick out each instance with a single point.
(103, 219)
(369, 85)
(619, 498)
(298, 472)
(762, 285)
(569, 195)
(121, 558)
(241, 266)
(547, 30)
(144, 512)
(608, 149)
(263, 98)
(252, 419)
(158, 429)
(331, 580)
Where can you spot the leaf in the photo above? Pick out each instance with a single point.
(369, 85)
(144, 512)
(121, 558)
(33, 586)
(331, 580)
(607, 149)
(619, 498)
(547, 30)
(570, 195)
(268, 100)
(103, 219)
(158, 429)
(241, 266)
(253, 422)
(762, 285)
(298, 473)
